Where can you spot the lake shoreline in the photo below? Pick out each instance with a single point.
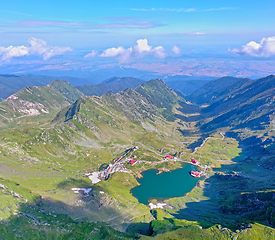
(165, 185)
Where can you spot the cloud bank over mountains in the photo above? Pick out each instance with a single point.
(36, 47)
(124, 55)
(140, 50)
(265, 48)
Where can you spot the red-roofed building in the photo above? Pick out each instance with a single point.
(133, 161)
(169, 156)
(195, 161)
(195, 174)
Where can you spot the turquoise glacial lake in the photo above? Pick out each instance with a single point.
(165, 185)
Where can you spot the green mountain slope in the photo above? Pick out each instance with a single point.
(147, 101)
(250, 106)
(68, 91)
(37, 101)
(52, 160)
(9, 84)
(112, 85)
(248, 115)
(217, 89)
(39, 165)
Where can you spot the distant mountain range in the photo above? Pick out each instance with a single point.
(225, 96)
(217, 89)
(111, 85)
(10, 84)
(98, 75)
(176, 78)
(44, 101)
(94, 84)
(186, 88)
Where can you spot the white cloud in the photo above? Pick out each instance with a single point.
(176, 51)
(36, 46)
(40, 47)
(159, 52)
(112, 52)
(91, 54)
(265, 48)
(140, 50)
(142, 45)
(11, 51)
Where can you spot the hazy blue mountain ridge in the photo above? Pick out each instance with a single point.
(186, 88)
(217, 89)
(248, 106)
(111, 85)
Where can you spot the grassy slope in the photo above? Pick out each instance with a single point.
(51, 161)
(41, 102)
(250, 106)
(9, 84)
(186, 230)
(67, 90)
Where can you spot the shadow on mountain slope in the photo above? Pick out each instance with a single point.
(49, 219)
(187, 119)
(224, 193)
(188, 108)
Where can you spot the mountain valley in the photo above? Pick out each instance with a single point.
(54, 137)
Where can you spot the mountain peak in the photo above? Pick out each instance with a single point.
(144, 102)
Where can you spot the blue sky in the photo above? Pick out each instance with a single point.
(80, 27)
(92, 23)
